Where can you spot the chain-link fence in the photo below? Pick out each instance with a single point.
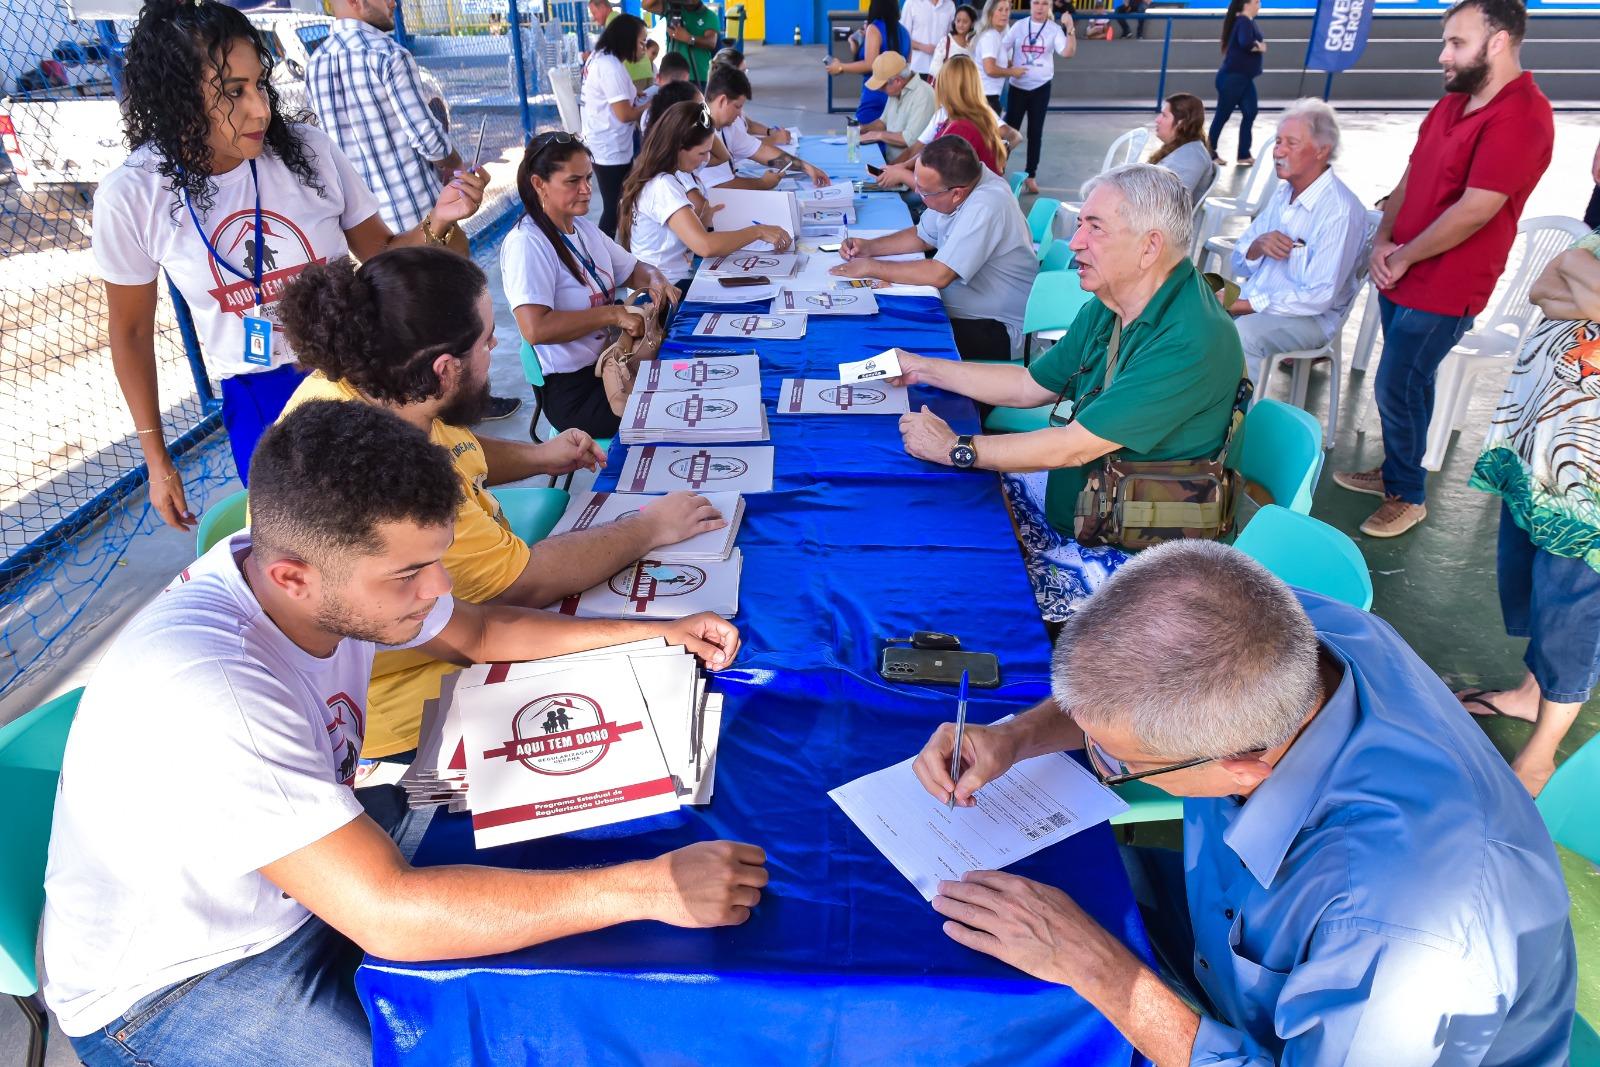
(71, 472)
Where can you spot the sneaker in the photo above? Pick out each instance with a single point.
(1369, 482)
(501, 407)
(1247, 161)
(1393, 518)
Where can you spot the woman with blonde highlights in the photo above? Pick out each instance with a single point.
(964, 113)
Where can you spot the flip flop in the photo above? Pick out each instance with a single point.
(1480, 697)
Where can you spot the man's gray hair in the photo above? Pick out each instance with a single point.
(1194, 648)
(1320, 117)
(1153, 198)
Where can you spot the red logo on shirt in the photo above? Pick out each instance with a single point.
(346, 724)
(285, 251)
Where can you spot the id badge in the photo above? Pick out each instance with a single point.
(257, 339)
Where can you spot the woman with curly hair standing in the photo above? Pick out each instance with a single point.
(232, 200)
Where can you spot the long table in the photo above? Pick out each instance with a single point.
(843, 962)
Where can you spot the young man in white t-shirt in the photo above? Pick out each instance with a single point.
(927, 22)
(210, 865)
(726, 94)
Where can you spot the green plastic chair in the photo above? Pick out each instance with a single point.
(1567, 805)
(532, 512)
(223, 519)
(1042, 217)
(1308, 553)
(30, 765)
(1280, 448)
(1057, 257)
(1015, 180)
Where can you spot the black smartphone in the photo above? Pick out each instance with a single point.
(744, 282)
(939, 667)
(874, 171)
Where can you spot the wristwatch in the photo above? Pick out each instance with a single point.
(963, 455)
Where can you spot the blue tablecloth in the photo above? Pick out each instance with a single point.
(843, 962)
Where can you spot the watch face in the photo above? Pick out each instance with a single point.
(963, 456)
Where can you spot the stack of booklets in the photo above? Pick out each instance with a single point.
(590, 509)
(770, 264)
(662, 588)
(667, 469)
(569, 743)
(820, 396)
(678, 374)
(824, 300)
(746, 325)
(695, 416)
(831, 205)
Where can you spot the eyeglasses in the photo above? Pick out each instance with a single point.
(1057, 419)
(550, 137)
(1112, 771)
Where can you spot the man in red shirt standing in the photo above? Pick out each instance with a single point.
(1446, 231)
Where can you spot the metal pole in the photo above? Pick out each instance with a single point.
(191, 348)
(1166, 50)
(401, 34)
(1327, 87)
(515, 18)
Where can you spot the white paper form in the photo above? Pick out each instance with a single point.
(755, 207)
(1033, 805)
(820, 396)
(706, 288)
(895, 289)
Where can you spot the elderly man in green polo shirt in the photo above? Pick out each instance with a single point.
(1177, 371)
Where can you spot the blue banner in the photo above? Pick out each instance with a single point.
(1339, 35)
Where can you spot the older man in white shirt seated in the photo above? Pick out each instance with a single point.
(1299, 259)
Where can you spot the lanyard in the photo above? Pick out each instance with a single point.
(1033, 38)
(588, 264)
(259, 257)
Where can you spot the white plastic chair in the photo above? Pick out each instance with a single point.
(1199, 210)
(562, 84)
(1490, 347)
(1129, 148)
(1259, 183)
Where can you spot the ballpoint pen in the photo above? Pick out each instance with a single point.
(961, 726)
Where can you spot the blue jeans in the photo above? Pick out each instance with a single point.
(1414, 344)
(293, 1005)
(1553, 601)
(1235, 92)
(250, 404)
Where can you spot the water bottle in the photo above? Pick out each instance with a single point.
(852, 136)
(797, 38)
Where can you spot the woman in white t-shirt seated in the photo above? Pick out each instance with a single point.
(611, 110)
(561, 276)
(660, 222)
(232, 202)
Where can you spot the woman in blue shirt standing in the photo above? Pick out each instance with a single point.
(883, 33)
(1242, 48)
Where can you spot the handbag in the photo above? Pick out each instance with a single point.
(1138, 504)
(618, 365)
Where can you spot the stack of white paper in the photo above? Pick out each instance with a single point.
(750, 325)
(708, 288)
(665, 469)
(593, 738)
(676, 374)
(695, 416)
(771, 264)
(590, 509)
(657, 588)
(799, 300)
(819, 396)
(755, 207)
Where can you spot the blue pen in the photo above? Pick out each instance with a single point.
(961, 727)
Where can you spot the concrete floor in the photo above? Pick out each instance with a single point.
(1435, 585)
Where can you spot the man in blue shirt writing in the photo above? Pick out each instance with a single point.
(1366, 881)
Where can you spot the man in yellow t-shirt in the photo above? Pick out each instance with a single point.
(487, 562)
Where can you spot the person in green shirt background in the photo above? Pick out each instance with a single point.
(693, 31)
(1178, 367)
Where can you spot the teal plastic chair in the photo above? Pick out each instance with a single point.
(1280, 448)
(1053, 303)
(532, 512)
(534, 373)
(30, 765)
(223, 519)
(1308, 553)
(1015, 180)
(1042, 217)
(1567, 804)
(1057, 257)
